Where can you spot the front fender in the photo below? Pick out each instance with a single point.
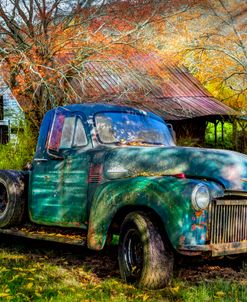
(169, 197)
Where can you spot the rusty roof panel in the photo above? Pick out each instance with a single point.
(168, 90)
(191, 107)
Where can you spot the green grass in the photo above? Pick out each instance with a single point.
(34, 271)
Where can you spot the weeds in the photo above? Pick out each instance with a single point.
(17, 153)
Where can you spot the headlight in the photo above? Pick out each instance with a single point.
(200, 197)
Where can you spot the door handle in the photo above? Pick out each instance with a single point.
(40, 160)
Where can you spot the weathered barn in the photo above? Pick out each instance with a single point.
(146, 82)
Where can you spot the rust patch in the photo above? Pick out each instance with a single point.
(215, 249)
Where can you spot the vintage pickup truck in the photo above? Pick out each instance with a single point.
(105, 169)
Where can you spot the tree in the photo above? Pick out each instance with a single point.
(211, 40)
(44, 45)
(223, 45)
(27, 50)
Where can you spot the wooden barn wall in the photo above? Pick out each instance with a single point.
(193, 129)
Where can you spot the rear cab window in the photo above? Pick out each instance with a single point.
(67, 131)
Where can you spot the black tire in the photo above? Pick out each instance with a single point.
(12, 198)
(144, 258)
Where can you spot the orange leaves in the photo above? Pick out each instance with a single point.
(43, 71)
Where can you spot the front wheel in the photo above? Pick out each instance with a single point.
(144, 258)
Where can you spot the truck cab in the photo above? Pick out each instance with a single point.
(106, 169)
(71, 151)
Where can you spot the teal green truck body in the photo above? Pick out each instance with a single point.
(81, 179)
(96, 163)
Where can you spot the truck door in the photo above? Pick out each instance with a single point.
(59, 181)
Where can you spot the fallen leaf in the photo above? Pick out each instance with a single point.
(29, 285)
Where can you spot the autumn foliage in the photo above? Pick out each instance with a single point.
(46, 45)
(211, 40)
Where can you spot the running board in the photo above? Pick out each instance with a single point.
(48, 234)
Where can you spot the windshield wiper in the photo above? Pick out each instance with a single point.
(138, 143)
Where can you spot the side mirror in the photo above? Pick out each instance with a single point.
(172, 132)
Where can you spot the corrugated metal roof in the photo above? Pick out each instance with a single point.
(150, 84)
(179, 108)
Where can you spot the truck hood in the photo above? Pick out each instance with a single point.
(227, 167)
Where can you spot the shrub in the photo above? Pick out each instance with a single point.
(18, 152)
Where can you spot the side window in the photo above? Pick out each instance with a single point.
(56, 132)
(80, 138)
(66, 132)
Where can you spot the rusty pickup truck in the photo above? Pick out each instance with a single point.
(104, 170)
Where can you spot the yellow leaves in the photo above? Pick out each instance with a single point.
(29, 285)
(44, 234)
(4, 295)
(224, 92)
(145, 297)
(26, 270)
(31, 270)
(19, 269)
(175, 289)
(219, 294)
(14, 278)
(37, 294)
(200, 42)
(13, 257)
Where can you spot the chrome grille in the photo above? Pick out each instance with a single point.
(228, 221)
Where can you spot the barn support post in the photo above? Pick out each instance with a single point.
(243, 126)
(215, 132)
(244, 135)
(204, 137)
(222, 132)
(234, 134)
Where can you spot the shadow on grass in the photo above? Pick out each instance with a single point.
(35, 270)
(102, 263)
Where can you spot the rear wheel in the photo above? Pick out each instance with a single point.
(12, 201)
(4, 200)
(144, 258)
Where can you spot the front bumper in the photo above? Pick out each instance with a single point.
(220, 249)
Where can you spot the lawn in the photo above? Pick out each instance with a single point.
(40, 271)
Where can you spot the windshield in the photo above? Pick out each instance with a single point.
(127, 128)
